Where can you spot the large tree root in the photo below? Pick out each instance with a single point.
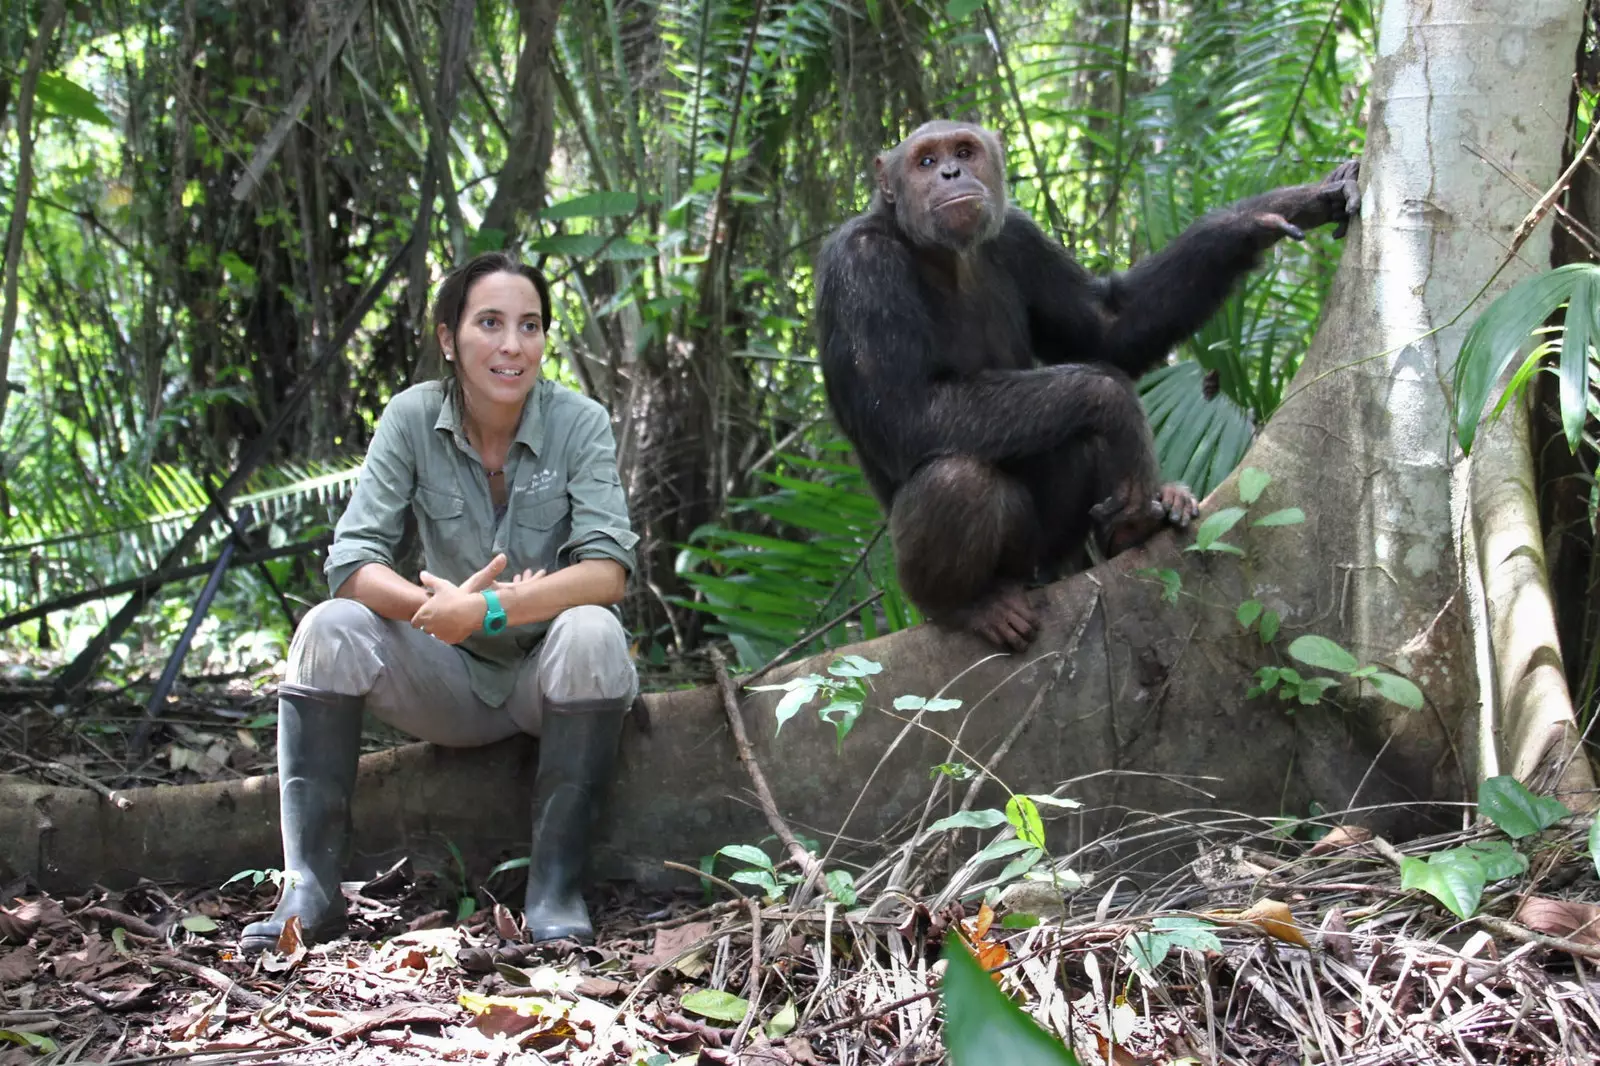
(1158, 690)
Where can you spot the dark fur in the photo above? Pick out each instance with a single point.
(990, 463)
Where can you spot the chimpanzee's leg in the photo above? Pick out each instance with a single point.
(965, 539)
(1105, 484)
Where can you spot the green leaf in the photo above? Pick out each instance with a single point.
(983, 1027)
(1500, 333)
(1269, 626)
(1196, 934)
(63, 96)
(1147, 950)
(1023, 814)
(748, 854)
(1498, 858)
(242, 272)
(1594, 841)
(1289, 516)
(486, 239)
(569, 245)
(1004, 848)
(791, 703)
(1322, 653)
(38, 1041)
(958, 10)
(854, 666)
(782, 1023)
(1451, 878)
(987, 818)
(1066, 803)
(721, 1006)
(919, 703)
(1251, 484)
(199, 923)
(1576, 337)
(1020, 865)
(1397, 689)
(607, 204)
(1171, 581)
(1507, 803)
(1248, 612)
(842, 712)
(841, 886)
(1215, 526)
(1019, 921)
(1311, 690)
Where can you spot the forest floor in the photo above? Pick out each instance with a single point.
(1257, 946)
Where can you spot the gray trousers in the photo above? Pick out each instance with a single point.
(420, 685)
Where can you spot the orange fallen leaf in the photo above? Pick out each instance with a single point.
(1271, 917)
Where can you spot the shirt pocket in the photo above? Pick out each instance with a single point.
(540, 524)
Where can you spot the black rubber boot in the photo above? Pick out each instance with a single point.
(319, 741)
(577, 751)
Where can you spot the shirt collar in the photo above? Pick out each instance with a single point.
(530, 430)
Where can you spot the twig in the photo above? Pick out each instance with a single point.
(1516, 932)
(215, 978)
(122, 803)
(753, 992)
(769, 807)
(778, 659)
(136, 926)
(1547, 201)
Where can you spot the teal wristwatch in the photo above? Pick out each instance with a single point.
(494, 617)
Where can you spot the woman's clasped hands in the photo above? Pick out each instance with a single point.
(452, 613)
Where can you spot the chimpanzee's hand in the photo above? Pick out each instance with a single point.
(1290, 212)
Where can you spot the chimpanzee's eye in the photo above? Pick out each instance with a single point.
(964, 152)
(925, 161)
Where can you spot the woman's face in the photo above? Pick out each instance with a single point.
(500, 341)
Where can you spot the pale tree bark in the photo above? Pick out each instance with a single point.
(1410, 557)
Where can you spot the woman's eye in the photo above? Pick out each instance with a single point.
(530, 328)
(488, 322)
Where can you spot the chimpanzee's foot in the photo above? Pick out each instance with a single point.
(1005, 618)
(1128, 521)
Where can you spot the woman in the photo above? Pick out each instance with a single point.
(500, 468)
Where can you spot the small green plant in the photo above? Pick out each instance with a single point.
(1324, 654)
(1147, 950)
(277, 877)
(845, 691)
(1458, 876)
(758, 869)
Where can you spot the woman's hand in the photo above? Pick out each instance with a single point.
(453, 613)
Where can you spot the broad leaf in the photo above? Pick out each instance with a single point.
(1215, 526)
(63, 96)
(854, 666)
(984, 819)
(1270, 621)
(1453, 877)
(958, 10)
(1397, 689)
(1507, 803)
(982, 1027)
(1289, 516)
(722, 1006)
(782, 1023)
(1248, 612)
(1498, 858)
(1004, 848)
(593, 205)
(1251, 484)
(792, 701)
(1023, 814)
(748, 854)
(921, 703)
(1020, 865)
(1323, 653)
(1594, 841)
(1171, 581)
(842, 886)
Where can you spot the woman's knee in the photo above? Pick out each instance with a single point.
(586, 657)
(336, 648)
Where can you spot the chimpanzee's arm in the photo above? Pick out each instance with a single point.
(880, 363)
(1133, 319)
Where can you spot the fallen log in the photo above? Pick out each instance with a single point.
(1155, 692)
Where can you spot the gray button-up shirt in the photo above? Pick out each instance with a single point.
(564, 504)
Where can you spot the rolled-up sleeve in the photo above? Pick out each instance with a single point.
(600, 526)
(373, 524)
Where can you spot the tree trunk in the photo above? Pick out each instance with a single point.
(1410, 557)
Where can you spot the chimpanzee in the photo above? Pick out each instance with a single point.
(935, 309)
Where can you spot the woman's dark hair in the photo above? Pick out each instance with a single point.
(451, 302)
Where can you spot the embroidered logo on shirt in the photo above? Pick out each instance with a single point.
(542, 480)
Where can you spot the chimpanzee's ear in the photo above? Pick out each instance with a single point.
(884, 185)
